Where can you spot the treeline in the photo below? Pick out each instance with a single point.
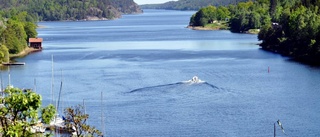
(55, 10)
(208, 15)
(288, 27)
(190, 4)
(240, 17)
(14, 33)
(126, 6)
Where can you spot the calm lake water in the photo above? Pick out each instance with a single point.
(138, 61)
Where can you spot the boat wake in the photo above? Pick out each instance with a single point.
(194, 81)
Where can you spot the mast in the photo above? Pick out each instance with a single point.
(58, 102)
(274, 129)
(85, 111)
(9, 77)
(1, 86)
(35, 85)
(102, 125)
(52, 80)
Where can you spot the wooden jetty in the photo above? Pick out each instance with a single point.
(13, 63)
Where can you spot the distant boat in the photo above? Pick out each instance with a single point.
(194, 80)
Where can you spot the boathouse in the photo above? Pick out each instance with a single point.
(35, 43)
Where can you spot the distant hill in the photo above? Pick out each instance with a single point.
(126, 6)
(190, 4)
(55, 10)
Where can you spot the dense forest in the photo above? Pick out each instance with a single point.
(14, 33)
(190, 4)
(54, 10)
(288, 27)
(295, 30)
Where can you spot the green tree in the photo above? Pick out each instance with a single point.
(4, 54)
(76, 119)
(30, 29)
(239, 23)
(20, 110)
(14, 36)
(223, 13)
(200, 18)
(208, 15)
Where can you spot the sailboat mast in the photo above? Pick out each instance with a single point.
(274, 129)
(9, 77)
(102, 125)
(52, 80)
(1, 86)
(35, 85)
(85, 111)
(58, 103)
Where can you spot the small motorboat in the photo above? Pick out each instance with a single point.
(194, 80)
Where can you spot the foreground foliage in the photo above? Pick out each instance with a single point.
(76, 119)
(20, 110)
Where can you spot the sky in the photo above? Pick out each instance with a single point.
(139, 2)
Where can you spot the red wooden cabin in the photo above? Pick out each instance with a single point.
(35, 43)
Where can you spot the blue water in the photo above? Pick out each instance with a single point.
(138, 62)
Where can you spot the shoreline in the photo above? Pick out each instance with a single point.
(23, 53)
(202, 28)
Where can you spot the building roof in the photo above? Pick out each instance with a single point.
(35, 40)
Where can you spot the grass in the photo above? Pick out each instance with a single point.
(222, 25)
(254, 31)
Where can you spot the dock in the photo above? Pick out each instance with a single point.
(13, 63)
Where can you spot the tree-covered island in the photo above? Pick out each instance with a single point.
(288, 27)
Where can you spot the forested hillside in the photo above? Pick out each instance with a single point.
(126, 6)
(190, 4)
(54, 10)
(288, 27)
